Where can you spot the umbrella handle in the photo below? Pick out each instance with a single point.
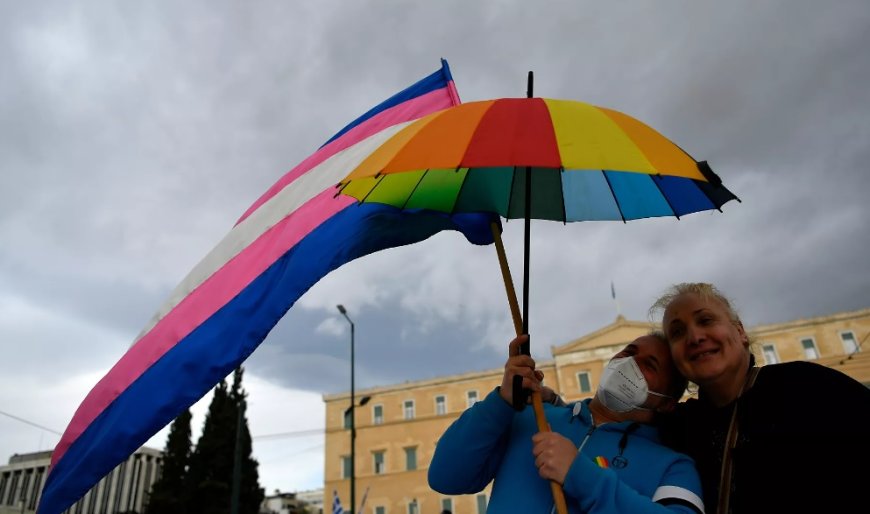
(537, 403)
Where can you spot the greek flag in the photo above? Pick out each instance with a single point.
(336, 503)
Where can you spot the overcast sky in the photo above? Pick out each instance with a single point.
(134, 134)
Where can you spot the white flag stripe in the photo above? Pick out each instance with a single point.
(319, 178)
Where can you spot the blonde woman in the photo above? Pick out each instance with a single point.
(790, 437)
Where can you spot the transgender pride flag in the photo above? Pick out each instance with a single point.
(290, 238)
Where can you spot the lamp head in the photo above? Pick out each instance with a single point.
(341, 309)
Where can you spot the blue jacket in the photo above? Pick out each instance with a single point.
(492, 441)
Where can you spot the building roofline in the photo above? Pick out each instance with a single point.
(414, 384)
(619, 322)
(802, 322)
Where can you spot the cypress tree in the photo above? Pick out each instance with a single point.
(211, 462)
(168, 495)
(250, 493)
(210, 474)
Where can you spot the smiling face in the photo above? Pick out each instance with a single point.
(708, 342)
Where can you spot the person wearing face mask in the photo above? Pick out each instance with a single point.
(604, 451)
(789, 437)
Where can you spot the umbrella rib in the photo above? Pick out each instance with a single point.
(408, 198)
(613, 193)
(461, 189)
(511, 195)
(379, 177)
(656, 182)
(339, 188)
(562, 190)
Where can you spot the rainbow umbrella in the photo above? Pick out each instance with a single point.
(584, 163)
(535, 158)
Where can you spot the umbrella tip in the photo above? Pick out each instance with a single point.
(531, 85)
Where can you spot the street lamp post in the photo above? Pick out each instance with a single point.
(343, 312)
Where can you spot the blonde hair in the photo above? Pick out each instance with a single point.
(702, 289)
(705, 291)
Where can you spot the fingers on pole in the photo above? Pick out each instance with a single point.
(516, 344)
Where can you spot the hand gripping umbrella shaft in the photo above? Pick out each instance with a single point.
(537, 403)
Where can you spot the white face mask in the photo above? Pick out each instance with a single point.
(623, 387)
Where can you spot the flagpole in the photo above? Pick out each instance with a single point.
(615, 301)
(362, 504)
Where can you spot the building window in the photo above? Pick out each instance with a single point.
(347, 418)
(471, 397)
(411, 458)
(584, 383)
(447, 504)
(24, 484)
(770, 356)
(345, 466)
(120, 477)
(107, 487)
(380, 509)
(440, 405)
(810, 350)
(13, 487)
(94, 494)
(850, 346)
(412, 507)
(409, 409)
(4, 479)
(380, 468)
(481, 504)
(377, 414)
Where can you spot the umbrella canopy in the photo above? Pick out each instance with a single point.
(586, 163)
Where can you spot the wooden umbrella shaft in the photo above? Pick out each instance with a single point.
(537, 402)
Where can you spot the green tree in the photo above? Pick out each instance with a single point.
(210, 475)
(250, 493)
(168, 495)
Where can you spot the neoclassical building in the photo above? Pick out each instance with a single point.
(124, 490)
(398, 426)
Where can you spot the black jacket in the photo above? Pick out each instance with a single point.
(803, 443)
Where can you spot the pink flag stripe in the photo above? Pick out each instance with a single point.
(454, 94)
(320, 178)
(199, 306)
(409, 110)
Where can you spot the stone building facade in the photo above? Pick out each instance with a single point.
(123, 491)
